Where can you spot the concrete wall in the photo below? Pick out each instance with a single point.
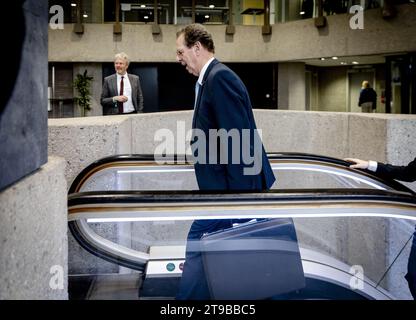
(333, 89)
(33, 235)
(380, 137)
(23, 93)
(291, 86)
(289, 41)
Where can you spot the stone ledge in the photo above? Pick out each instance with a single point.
(33, 234)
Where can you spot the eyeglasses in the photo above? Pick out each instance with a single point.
(180, 52)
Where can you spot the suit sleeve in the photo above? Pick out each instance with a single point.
(106, 100)
(231, 107)
(403, 173)
(140, 102)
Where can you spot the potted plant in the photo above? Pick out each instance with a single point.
(82, 84)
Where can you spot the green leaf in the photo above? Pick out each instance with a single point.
(82, 84)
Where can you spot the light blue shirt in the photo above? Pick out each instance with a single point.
(198, 84)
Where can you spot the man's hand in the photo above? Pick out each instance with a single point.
(120, 98)
(358, 164)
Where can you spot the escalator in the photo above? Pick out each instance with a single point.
(353, 228)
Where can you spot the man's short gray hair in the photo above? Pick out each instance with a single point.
(122, 56)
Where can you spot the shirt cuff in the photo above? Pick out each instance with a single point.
(372, 165)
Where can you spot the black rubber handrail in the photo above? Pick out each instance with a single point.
(126, 197)
(272, 156)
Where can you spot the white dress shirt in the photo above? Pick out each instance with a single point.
(372, 165)
(128, 105)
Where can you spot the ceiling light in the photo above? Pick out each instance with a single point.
(335, 58)
(355, 62)
(142, 6)
(73, 4)
(343, 63)
(302, 12)
(146, 17)
(85, 15)
(322, 59)
(211, 6)
(207, 17)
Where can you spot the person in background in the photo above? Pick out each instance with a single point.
(403, 173)
(122, 92)
(368, 98)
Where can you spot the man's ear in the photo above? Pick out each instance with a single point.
(197, 47)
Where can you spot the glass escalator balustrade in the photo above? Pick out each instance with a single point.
(353, 230)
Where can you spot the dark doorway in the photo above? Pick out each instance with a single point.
(169, 87)
(401, 84)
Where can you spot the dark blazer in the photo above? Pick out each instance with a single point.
(223, 103)
(403, 173)
(110, 90)
(368, 95)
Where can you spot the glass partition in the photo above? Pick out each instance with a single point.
(332, 250)
(321, 256)
(313, 237)
(211, 11)
(245, 12)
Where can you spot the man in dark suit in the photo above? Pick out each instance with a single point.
(122, 92)
(368, 98)
(403, 173)
(222, 105)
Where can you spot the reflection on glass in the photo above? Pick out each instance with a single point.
(331, 249)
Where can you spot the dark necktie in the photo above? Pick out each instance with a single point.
(120, 104)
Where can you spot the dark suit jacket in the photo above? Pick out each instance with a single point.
(403, 173)
(368, 95)
(110, 90)
(223, 103)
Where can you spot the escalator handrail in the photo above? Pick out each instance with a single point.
(185, 205)
(230, 196)
(173, 160)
